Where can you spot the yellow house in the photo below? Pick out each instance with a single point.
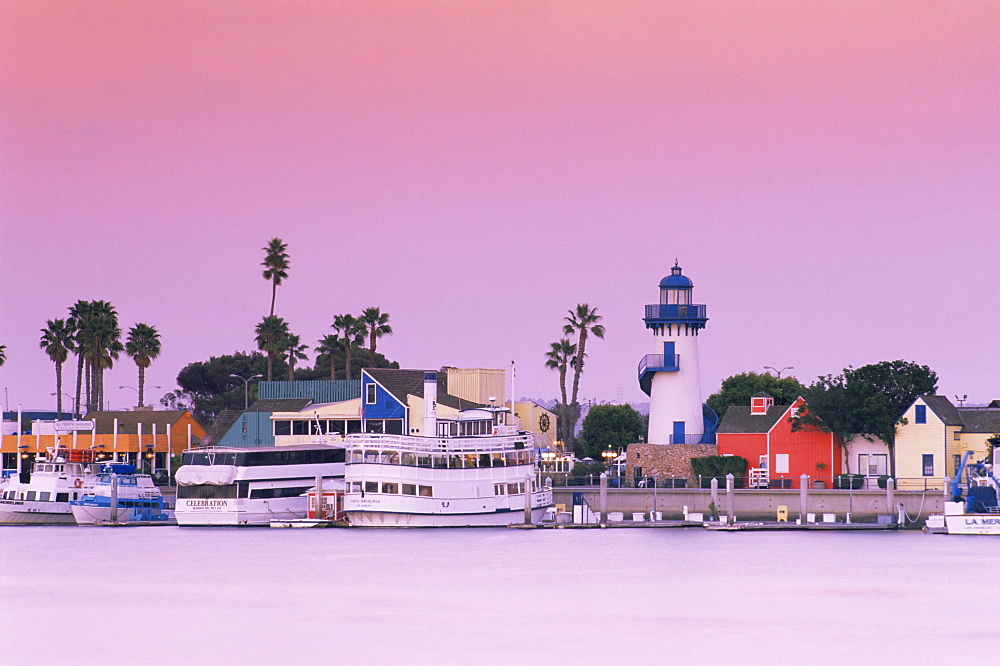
(934, 435)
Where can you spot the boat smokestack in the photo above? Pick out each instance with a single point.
(430, 404)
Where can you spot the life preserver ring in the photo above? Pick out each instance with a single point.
(78, 483)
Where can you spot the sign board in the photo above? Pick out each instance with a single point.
(67, 426)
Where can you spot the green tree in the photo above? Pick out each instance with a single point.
(275, 265)
(100, 338)
(143, 345)
(376, 325)
(560, 356)
(271, 334)
(583, 321)
(867, 401)
(57, 341)
(294, 350)
(350, 332)
(327, 350)
(206, 387)
(3, 354)
(610, 427)
(738, 389)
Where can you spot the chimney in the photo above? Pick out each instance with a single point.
(430, 404)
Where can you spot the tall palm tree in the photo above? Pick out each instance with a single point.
(351, 332)
(376, 325)
(582, 321)
(57, 341)
(79, 312)
(102, 339)
(271, 334)
(143, 345)
(3, 354)
(560, 356)
(275, 266)
(294, 350)
(327, 350)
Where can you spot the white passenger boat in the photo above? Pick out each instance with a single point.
(973, 507)
(251, 486)
(42, 495)
(119, 496)
(477, 471)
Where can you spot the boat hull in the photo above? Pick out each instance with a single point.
(25, 512)
(973, 523)
(102, 515)
(491, 519)
(238, 513)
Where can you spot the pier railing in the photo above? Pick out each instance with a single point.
(837, 483)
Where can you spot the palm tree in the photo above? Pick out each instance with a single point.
(560, 356)
(376, 325)
(275, 265)
(79, 312)
(3, 354)
(271, 334)
(328, 347)
(295, 351)
(351, 332)
(143, 346)
(582, 321)
(57, 341)
(102, 339)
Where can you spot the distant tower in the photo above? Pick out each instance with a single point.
(670, 376)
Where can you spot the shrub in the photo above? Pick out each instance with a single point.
(883, 481)
(717, 467)
(848, 481)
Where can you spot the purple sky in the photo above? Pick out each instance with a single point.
(826, 173)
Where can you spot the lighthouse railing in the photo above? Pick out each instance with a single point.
(675, 312)
(656, 362)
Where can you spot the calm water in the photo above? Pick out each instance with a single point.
(257, 596)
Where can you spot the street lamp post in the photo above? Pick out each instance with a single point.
(68, 397)
(246, 389)
(778, 372)
(137, 390)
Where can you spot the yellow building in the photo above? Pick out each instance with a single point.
(933, 437)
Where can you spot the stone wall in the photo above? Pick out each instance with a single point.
(666, 460)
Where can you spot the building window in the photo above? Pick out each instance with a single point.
(370, 394)
(928, 464)
(921, 414)
(873, 464)
(781, 463)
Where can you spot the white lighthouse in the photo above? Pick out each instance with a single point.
(670, 375)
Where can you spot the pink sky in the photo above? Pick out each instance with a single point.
(826, 173)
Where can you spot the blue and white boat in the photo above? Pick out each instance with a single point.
(119, 496)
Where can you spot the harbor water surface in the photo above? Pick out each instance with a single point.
(73, 595)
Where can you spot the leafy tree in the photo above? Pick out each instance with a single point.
(271, 334)
(327, 350)
(206, 387)
(275, 265)
(738, 389)
(143, 345)
(560, 356)
(294, 350)
(582, 321)
(376, 325)
(867, 401)
(610, 427)
(57, 341)
(350, 332)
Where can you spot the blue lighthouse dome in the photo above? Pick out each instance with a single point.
(675, 280)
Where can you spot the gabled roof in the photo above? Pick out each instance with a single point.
(738, 419)
(221, 425)
(943, 408)
(128, 422)
(980, 420)
(280, 405)
(401, 383)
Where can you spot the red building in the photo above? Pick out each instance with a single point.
(777, 456)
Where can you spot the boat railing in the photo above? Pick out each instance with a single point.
(484, 443)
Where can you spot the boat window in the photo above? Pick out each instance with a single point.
(455, 461)
(424, 460)
(62, 497)
(207, 491)
(440, 462)
(409, 459)
(511, 458)
(484, 460)
(498, 460)
(31, 495)
(355, 487)
(409, 489)
(426, 491)
(371, 486)
(499, 489)
(44, 496)
(371, 456)
(471, 460)
(522, 457)
(274, 493)
(512, 489)
(356, 456)
(390, 488)
(390, 457)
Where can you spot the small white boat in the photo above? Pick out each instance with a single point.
(973, 507)
(42, 495)
(119, 496)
